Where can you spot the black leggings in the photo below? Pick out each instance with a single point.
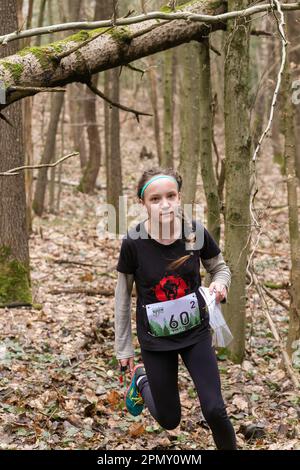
(159, 388)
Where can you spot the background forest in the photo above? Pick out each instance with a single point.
(199, 106)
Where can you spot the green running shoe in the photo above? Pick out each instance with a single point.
(133, 399)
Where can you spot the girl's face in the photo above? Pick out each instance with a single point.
(162, 200)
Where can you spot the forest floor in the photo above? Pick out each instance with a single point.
(59, 379)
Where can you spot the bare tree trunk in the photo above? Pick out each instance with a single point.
(53, 169)
(189, 120)
(294, 235)
(62, 121)
(38, 39)
(169, 77)
(293, 22)
(27, 120)
(114, 171)
(260, 54)
(49, 152)
(206, 133)
(104, 10)
(276, 131)
(238, 145)
(89, 178)
(154, 102)
(76, 96)
(14, 253)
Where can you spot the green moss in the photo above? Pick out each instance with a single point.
(165, 9)
(81, 36)
(57, 47)
(14, 279)
(121, 34)
(14, 68)
(43, 54)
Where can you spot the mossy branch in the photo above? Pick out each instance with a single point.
(165, 14)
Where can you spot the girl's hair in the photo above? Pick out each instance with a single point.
(191, 237)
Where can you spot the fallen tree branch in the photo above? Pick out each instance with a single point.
(86, 291)
(80, 263)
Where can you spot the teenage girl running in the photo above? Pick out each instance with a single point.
(171, 314)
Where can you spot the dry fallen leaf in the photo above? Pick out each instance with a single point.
(113, 398)
(136, 430)
(240, 403)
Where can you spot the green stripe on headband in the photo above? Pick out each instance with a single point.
(156, 178)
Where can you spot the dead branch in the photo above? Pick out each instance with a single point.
(15, 171)
(117, 105)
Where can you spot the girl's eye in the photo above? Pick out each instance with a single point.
(154, 199)
(172, 195)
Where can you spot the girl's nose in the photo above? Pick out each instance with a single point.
(165, 204)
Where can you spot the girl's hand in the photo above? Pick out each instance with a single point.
(127, 362)
(219, 289)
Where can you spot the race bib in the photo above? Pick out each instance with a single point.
(173, 316)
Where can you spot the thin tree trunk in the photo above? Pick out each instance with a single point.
(62, 121)
(154, 102)
(76, 95)
(14, 253)
(114, 169)
(167, 159)
(27, 122)
(238, 145)
(294, 235)
(89, 178)
(293, 22)
(38, 39)
(49, 151)
(259, 63)
(206, 133)
(276, 131)
(189, 120)
(104, 10)
(53, 169)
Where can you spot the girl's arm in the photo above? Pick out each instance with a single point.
(123, 334)
(218, 270)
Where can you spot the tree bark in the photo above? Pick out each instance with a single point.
(206, 133)
(189, 120)
(294, 235)
(293, 23)
(49, 152)
(169, 74)
(238, 145)
(14, 254)
(76, 95)
(154, 102)
(113, 163)
(89, 178)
